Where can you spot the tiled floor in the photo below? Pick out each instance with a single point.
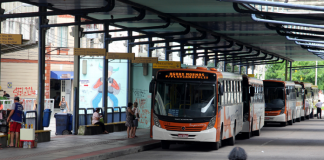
(67, 146)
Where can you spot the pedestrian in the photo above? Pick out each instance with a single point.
(237, 153)
(135, 110)
(129, 120)
(5, 94)
(319, 108)
(63, 105)
(15, 118)
(95, 120)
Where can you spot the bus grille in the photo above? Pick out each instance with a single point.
(179, 128)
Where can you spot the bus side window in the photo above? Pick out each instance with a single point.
(225, 92)
(234, 92)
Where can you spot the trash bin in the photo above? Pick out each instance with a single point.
(89, 114)
(31, 118)
(116, 114)
(82, 116)
(110, 114)
(123, 114)
(47, 117)
(63, 123)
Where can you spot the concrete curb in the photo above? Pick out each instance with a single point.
(124, 152)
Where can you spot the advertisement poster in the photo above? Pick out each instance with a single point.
(91, 83)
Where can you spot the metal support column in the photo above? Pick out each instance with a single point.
(166, 52)
(252, 68)
(194, 56)
(76, 78)
(182, 52)
(233, 68)
(105, 71)
(130, 78)
(149, 51)
(240, 69)
(41, 69)
(247, 70)
(224, 66)
(290, 72)
(205, 58)
(286, 71)
(215, 60)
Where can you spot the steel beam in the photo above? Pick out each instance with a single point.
(290, 72)
(129, 65)
(194, 58)
(41, 70)
(181, 52)
(286, 71)
(105, 74)
(149, 51)
(186, 31)
(76, 79)
(166, 52)
(107, 8)
(136, 18)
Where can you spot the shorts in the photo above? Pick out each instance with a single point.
(135, 122)
(15, 127)
(63, 110)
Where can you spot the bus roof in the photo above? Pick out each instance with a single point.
(287, 83)
(306, 84)
(314, 86)
(253, 80)
(298, 86)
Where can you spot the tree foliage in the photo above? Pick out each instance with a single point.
(302, 75)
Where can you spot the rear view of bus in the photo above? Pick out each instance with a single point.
(196, 105)
(253, 106)
(280, 101)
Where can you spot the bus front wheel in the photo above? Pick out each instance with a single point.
(165, 144)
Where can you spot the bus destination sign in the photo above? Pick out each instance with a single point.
(187, 75)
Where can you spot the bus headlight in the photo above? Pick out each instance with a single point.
(211, 123)
(156, 121)
(282, 111)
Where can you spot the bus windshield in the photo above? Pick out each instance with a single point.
(191, 100)
(274, 96)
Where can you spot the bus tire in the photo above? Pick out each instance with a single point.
(283, 124)
(290, 122)
(215, 145)
(165, 144)
(307, 117)
(231, 141)
(257, 132)
(298, 119)
(302, 118)
(247, 135)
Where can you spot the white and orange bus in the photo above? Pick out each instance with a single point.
(253, 106)
(280, 101)
(196, 105)
(308, 99)
(314, 99)
(299, 102)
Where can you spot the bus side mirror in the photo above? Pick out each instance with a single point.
(305, 91)
(297, 94)
(151, 89)
(287, 91)
(220, 89)
(251, 91)
(313, 94)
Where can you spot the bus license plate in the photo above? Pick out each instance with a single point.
(183, 136)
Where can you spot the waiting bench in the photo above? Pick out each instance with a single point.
(96, 129)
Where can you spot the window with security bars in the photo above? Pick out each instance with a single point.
(63, 86)
(62, 40)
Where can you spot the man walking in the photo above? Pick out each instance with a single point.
(15, 118)
(319, 108)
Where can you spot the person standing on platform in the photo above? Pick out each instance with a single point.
(319, 108)
(5, 94)
(15, 118)
(129, 120)
(63, 105)
(135, 110)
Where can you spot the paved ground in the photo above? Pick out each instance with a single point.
(303, 140)
(83, 147)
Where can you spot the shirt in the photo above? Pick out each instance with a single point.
(319, 104)
(135, 110)
(95, 116)
(18, 111)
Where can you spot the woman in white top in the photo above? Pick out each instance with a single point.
(135, 110)
(95, 120)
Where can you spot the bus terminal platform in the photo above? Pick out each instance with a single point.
(68, 147)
